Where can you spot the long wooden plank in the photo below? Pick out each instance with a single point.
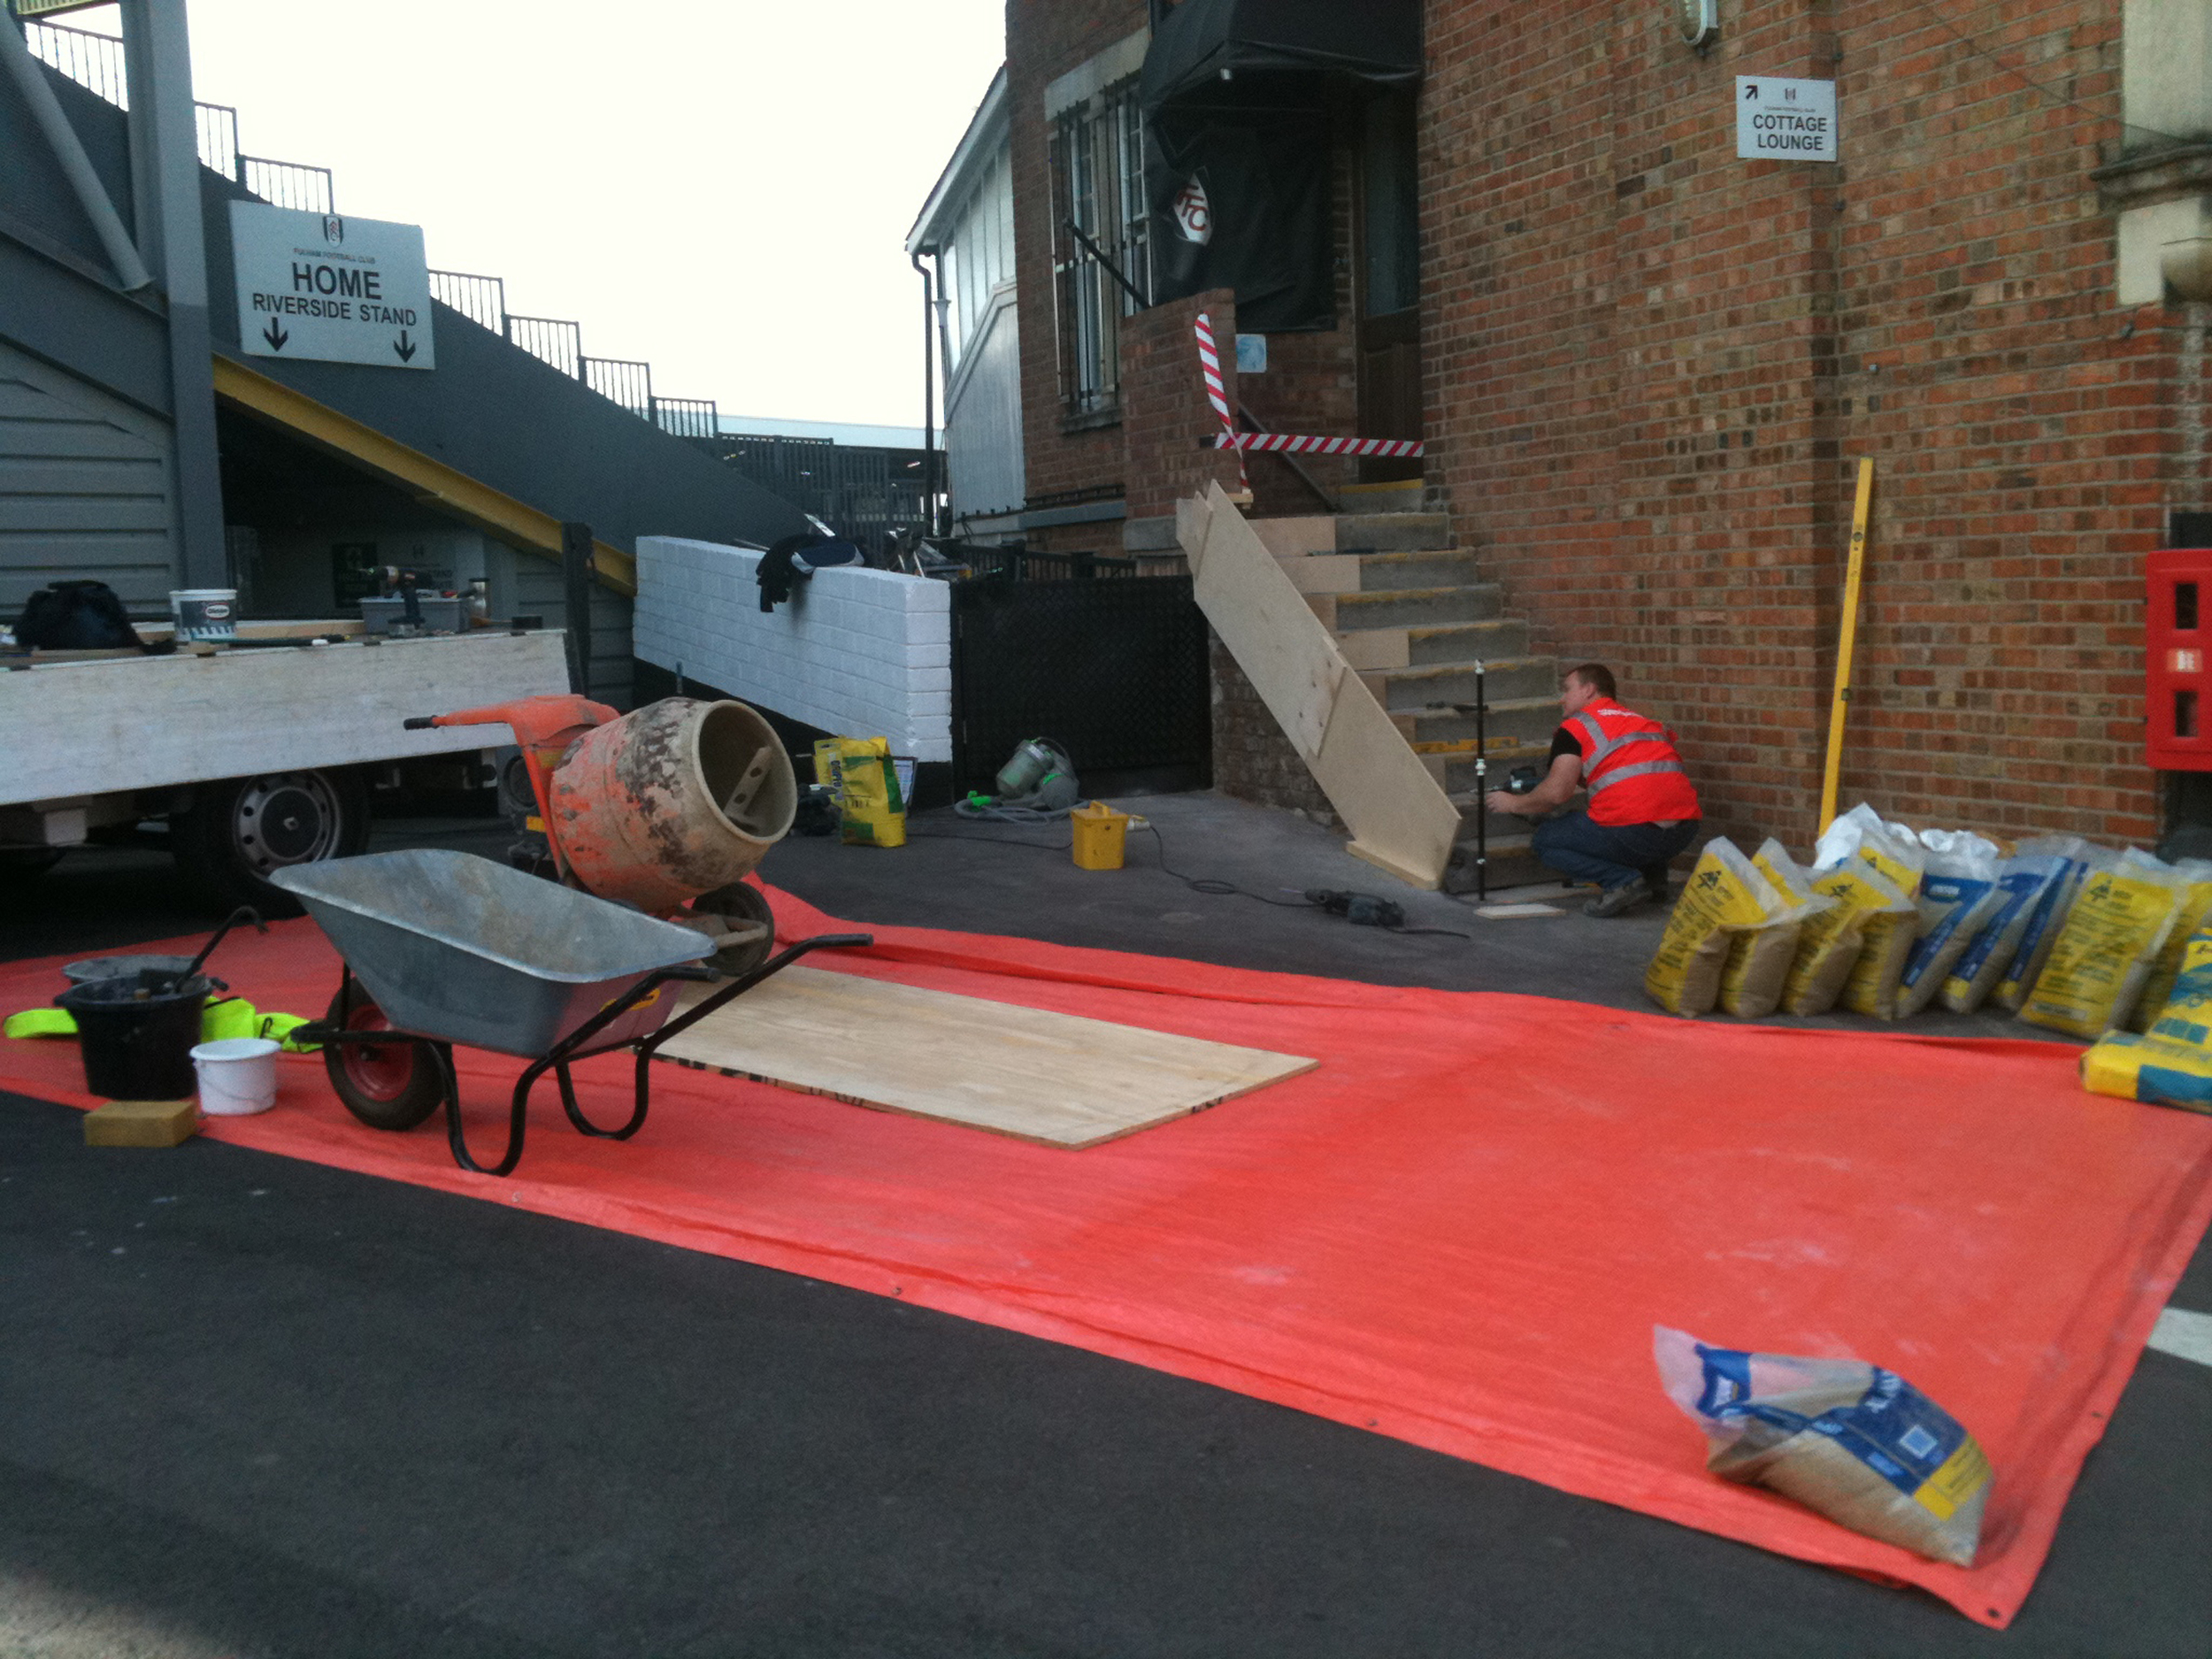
(1401, 819)
(1059, 1080)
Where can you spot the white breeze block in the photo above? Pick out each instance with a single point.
(858, 652)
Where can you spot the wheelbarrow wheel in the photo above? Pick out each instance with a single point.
(387, 1085)
(741, 905)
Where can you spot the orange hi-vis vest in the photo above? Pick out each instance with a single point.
(1629, 767)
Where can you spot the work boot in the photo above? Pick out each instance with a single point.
(1656, 881)
(1613, 901)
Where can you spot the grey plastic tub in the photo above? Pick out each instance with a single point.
(465, 950)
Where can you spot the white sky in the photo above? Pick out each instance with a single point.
(720, 187)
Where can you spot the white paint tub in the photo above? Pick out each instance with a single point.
(204, 613)
(237, 1076)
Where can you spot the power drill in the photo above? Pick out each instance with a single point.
(1363, 908)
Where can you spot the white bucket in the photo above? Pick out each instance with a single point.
(237, 1076)
(204, 613)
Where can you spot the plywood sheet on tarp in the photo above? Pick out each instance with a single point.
(1056, 1078)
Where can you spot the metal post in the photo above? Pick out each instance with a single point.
(1482, 786)
(165, 163)
(30, 80)
(929, 394)
(576, 575)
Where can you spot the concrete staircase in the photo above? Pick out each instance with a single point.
(1412, 616)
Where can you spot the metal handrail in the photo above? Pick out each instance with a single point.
(623, 381)
(481, 299)
(549, 340)
(293, 184)
(97, 62)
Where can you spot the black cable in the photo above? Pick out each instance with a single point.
(1210, 886)
(1217, 890)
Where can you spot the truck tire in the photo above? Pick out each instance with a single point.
(237, 832)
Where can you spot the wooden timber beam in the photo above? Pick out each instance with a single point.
(429, 481)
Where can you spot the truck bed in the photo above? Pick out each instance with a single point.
(86, 728)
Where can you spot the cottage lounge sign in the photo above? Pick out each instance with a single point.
(1785, 121)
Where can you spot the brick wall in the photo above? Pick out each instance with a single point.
(1044, 40)
(1651, 368)
(861, 652)
(1165, 412)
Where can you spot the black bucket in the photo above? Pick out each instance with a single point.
(137, 1037)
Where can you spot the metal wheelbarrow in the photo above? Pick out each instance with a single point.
(443, 948)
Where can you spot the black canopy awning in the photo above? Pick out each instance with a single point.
(1378, 42)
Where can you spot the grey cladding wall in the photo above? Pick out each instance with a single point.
(85, 487)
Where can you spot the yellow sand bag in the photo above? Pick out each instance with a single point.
(1895, 853)
(2196, 906)
(2049, 921)
(1723, 895)
(1760, 958)
(1829, 943)
(872, 811)
(2153, 1068)
(2111, 938)
(2026, 883)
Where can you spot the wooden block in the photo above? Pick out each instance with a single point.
(141, 1123)
(1059, 1080)
(1287, 538)
(1323, 573)
(1375, 648)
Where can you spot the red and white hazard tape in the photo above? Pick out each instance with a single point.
(1286, 443)
(1217, 394)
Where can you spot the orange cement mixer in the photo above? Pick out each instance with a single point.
(667, 808)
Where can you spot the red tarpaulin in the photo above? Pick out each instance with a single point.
(1459, 1230)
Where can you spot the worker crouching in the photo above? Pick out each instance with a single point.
(1643, 810)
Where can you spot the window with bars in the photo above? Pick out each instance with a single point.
(1097, 159)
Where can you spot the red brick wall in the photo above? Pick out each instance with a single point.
(1044, 40)
(1651, 368)
(1165, 413)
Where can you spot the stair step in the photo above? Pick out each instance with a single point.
(1408, 607)
(1506, 680)
(1403, 495)
(1378, 572)
(1512, 862)
(1392, 532)
(1513, 720)
(1355, 532)
(1449, 643)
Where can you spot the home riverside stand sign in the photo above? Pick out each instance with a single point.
(335, 289)
(1785, 121)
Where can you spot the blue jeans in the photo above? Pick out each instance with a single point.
(1612, 855)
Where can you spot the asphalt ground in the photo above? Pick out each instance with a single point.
(256, 1407)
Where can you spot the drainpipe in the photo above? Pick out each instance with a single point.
(929, 392)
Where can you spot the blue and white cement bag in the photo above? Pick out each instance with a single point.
(1858, 1444)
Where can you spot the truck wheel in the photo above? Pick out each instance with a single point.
(238, 832)
(385, 1084)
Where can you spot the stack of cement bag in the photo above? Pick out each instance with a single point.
(1889, 919)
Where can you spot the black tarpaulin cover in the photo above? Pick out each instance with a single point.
(1374, 41)
(1237, 170)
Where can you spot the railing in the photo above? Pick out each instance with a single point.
(94, 62)
(481, 299)
(549, 340)
(219, 138)
(686, 417)
(97, 62)
(288, 184)
(622, 380)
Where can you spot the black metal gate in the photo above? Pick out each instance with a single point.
(1113, 670)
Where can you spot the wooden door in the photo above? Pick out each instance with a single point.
(1389, 283)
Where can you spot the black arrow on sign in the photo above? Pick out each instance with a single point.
(275, 335)
(404, 346)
